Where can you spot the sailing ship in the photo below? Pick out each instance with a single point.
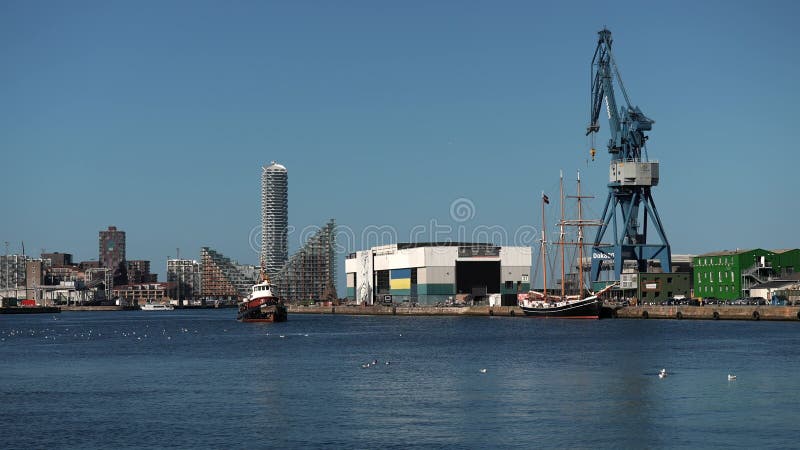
(550, 304)
(261, 305)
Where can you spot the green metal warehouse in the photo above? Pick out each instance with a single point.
(729, 274)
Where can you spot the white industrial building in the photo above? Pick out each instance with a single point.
(437, 273)
(777, 291)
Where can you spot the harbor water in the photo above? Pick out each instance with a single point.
(199, 379)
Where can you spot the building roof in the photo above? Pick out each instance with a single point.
(682, 258)
(275, 166)
(154, 286)
(728, 252)
(402, 245)
(745, 250)
(774, 284)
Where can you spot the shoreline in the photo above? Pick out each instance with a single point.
(682, 312)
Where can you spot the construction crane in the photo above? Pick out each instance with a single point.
(629, 205)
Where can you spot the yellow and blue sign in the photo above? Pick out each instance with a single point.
(400, 279)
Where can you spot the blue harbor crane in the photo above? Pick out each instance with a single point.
(629, 207)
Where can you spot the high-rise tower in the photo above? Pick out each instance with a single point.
(274, 217)
(112, 248)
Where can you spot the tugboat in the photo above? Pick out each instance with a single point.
(261, 305)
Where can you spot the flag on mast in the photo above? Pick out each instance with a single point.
(545, 198)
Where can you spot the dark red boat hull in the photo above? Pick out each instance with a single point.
(262, 312)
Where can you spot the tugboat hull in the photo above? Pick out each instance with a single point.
(275, 312)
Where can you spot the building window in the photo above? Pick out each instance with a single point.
(509, 285)
(669, 279)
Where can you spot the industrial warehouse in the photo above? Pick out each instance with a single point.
(438, 274)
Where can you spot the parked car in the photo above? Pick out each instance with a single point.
(756, 301)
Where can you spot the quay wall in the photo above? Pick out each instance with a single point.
(710, 312)
(628, 312)
(408, 311)
(93, 308)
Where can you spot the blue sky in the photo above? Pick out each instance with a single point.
(157, 116)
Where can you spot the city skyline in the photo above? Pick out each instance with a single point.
(386, 116)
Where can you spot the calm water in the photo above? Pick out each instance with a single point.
(199, 379)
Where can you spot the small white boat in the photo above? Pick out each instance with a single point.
(149, 306)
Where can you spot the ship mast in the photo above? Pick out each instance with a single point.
(561, 229)
(544, 243)
(580, 239)
(579, 224)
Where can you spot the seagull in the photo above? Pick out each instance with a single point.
(731, 377)
(387, 363)
(663, 373)
(483, 371)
